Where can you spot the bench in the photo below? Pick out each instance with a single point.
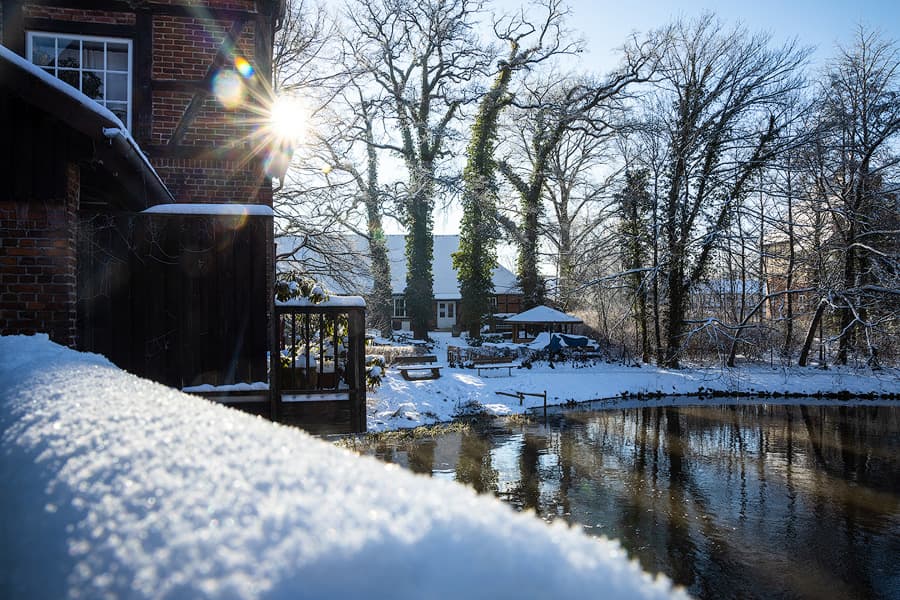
(425, 365)
(414, 360)
(430, 372)
(486, 363)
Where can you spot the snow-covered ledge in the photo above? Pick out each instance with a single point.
(117, 486)
(222, 210)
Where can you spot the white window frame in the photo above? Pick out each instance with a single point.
(29, 49)
(400, 299)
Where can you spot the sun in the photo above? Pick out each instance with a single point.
(288, 120)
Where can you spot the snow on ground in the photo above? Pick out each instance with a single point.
(399, 403)
(117, 487)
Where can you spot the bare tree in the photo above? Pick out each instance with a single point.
(729, 95)
(529, 43)
(351, 162)
(423, 55)
(558, 107)
(860, 112)
(311, 207)
(575, 191)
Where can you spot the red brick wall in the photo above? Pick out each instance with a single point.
(227, 4)
(214, 125)
(509, 303)
(37, 256)
(78, 15)
(192, 180)
(183, 47)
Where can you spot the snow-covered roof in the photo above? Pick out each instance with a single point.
(729, 286)
(108, 124)
(61, 86)
(127, 488)
(543, 314)
(446, 285)
(237, 210)
(331, 302)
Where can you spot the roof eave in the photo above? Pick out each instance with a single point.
(118, 154)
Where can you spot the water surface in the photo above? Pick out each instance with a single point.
(730, 501)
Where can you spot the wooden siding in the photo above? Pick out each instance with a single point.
(178, 299)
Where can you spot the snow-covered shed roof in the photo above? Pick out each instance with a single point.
(331, 302)
(446, 284)
(127, 488)
(227, 210)
(113, 143)
(543, 314)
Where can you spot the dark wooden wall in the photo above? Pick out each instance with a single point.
(177, 299)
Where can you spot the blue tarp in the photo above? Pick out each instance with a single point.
(557, 341)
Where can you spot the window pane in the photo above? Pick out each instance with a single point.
(92, 54)
(70, 77)
(43, 51)
(117, 57)
(92, 84)
(69, 52)
(116, 86)
(120, 109)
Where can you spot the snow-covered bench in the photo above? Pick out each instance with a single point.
(426, 366)
(485, 363)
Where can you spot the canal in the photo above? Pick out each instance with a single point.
(737, 501)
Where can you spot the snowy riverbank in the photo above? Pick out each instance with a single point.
(118, 487)
(401, 404)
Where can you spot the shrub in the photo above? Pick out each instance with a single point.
(375, 367)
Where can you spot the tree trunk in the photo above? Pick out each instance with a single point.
(529, 279)
(789, 281)
(477, 255)
(848, 327)
(379, 304)
(675, 318)
(419, 255)
(811, 333)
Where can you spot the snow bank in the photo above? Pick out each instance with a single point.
(398, 403)
(115, 486)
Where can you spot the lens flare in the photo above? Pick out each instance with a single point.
(228, 88)
(287, 120)
(278, 159)
(243, 67)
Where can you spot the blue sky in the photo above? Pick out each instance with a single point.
(822, 23)
(605, 26)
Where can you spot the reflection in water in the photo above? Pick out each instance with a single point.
(729, 501)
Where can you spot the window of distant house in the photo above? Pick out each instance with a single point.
(493, 303)
(99, 67)
(399, 307)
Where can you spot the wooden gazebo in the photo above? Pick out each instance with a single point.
(317, 364)
(527, 325)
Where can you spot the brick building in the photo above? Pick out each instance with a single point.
(181, 293)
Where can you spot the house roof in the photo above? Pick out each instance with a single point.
(729, 286)
(114, 148)
(446, 285)
(543, 314)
